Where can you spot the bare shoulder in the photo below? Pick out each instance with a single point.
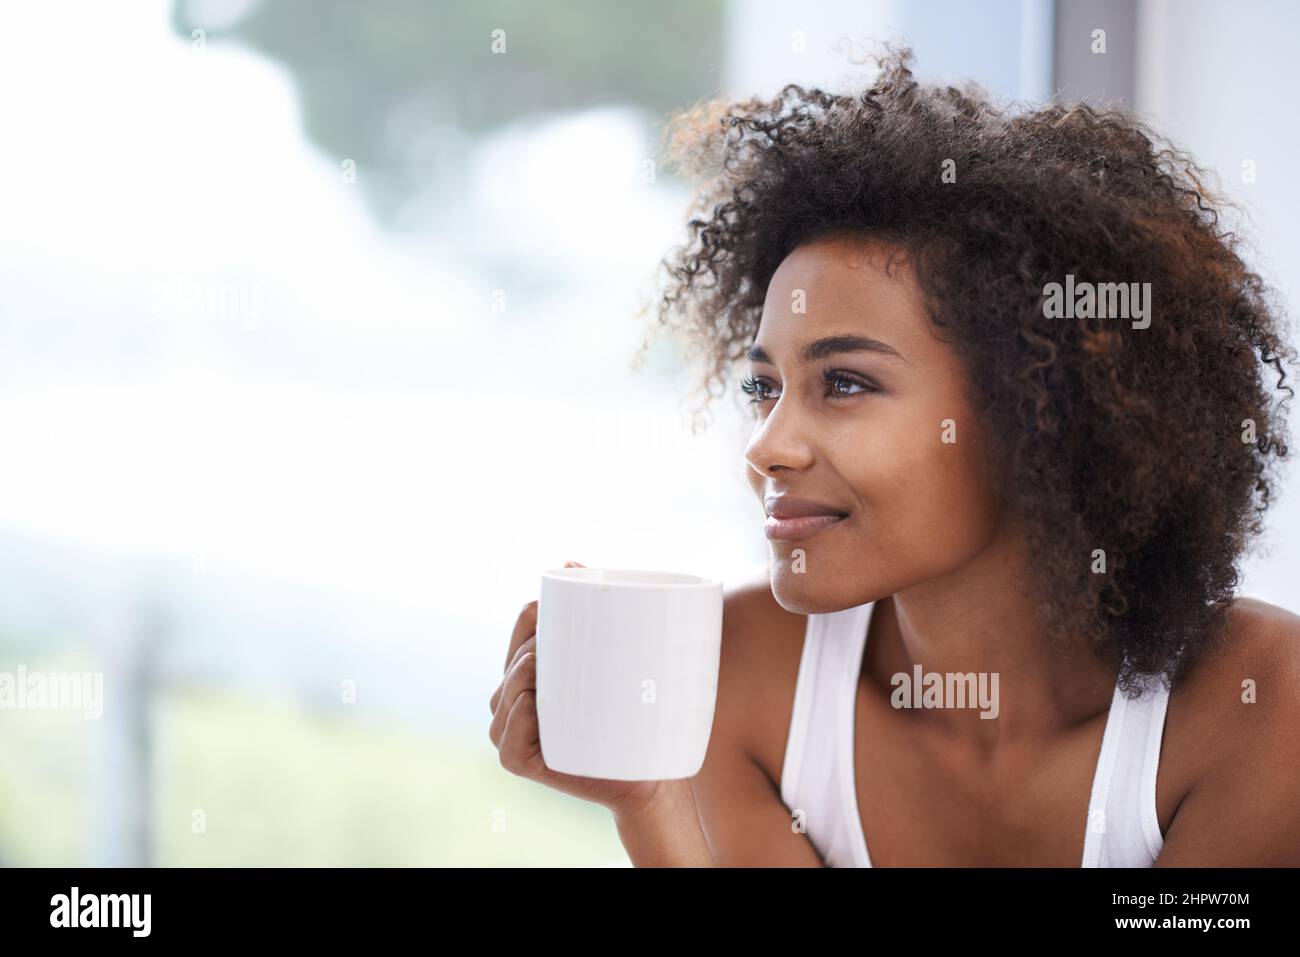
(1247, 686)
(1258, 656)
(1239, 712)
(1270, 626)
(1262, 656)
(761, 647)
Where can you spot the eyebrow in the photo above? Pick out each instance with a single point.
(831, 345)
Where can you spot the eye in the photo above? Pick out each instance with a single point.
(757, 388)
(838, 383)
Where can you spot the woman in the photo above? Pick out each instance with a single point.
(1015, 423)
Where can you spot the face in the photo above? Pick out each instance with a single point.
(861, 412)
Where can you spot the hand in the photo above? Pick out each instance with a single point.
(514, 728)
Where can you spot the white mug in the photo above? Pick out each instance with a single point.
(627, 672)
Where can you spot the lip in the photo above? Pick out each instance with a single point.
(790, 519)
(794, 529)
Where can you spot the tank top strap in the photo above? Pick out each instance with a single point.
(1123, 827)
(819, 745)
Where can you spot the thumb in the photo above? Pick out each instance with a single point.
(574, 565)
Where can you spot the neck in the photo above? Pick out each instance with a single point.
(980, 619)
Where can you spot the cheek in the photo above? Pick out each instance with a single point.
(927, 503)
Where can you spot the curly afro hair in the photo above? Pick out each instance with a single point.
(1155, 445)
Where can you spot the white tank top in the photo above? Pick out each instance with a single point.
(1121, 829)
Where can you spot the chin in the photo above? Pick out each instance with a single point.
(801, 593)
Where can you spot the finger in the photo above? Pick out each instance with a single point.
(520, 742)
(527, 646)
(521, 678)
(525, 628)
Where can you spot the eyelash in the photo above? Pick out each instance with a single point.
(752, 386)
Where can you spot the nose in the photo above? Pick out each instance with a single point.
(779, 440)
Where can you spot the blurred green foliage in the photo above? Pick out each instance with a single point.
(392, 84)
(279, 786)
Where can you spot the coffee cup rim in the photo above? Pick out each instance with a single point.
(666, 579)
